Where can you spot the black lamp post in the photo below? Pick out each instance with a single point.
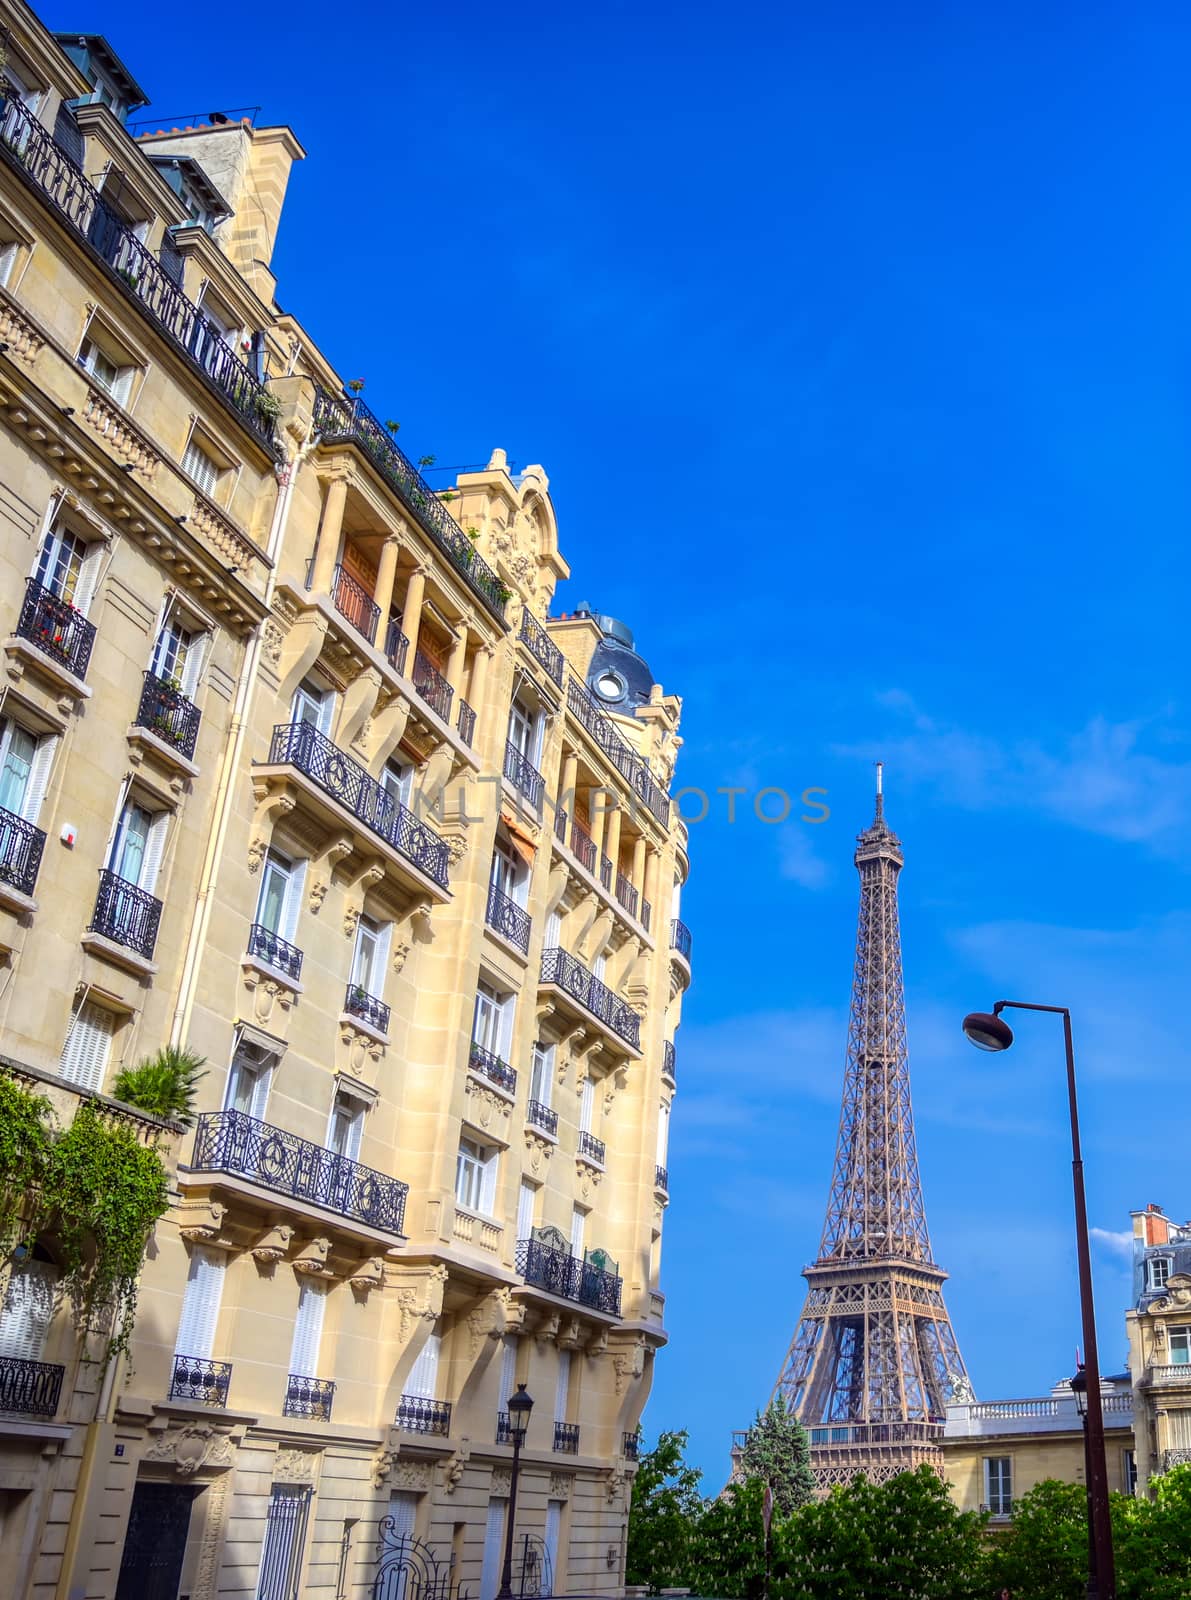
(988, 1031)
(1079, 1388)
(520, 1405)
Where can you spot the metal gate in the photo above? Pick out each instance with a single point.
(407, 1569)
(155, 1544)
(533, 1576)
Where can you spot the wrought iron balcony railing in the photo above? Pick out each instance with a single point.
(489, 1065)
(566, 1438)
(594, 1149)
(308, 1397)
(661, 1179)
(646, 914)
(166, 712)
(78, 203)
(359, 1003)
(127, 914)
(627, 762)
(340, 419)
(540, 645)
(669, 1059)
(562, 969)
(631, 1446)
(541, 1116)
(56, 628)
(29, 1388)
(432, 686)
(21, 845)
(352, 600)
(396, 646)
(271, 947)
(523, 775)
(562, 1274)
(232, 1141)
(508, 919)
(626, 894)
(418, 1415)
(583, 847)
(465, 721)
(560, 825)
(201, 1380)
(606, 871)
(301, 745)
(680, 938)
(504, 1428)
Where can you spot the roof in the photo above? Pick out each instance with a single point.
(94, 44)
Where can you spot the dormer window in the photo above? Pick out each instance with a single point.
(1157, 1272)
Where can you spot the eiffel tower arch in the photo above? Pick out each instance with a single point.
(874, 1360)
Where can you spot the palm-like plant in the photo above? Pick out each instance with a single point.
(165, 1084)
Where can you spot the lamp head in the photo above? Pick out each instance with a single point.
(987, 1031)
(520, 1405)
(1079, 1388)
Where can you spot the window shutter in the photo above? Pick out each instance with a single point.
(494, 1532)
(562, 1393)
(423, 1380)
(85, 1054)
(154, 847)
(260, 1091)
(68, 136)
(308, 1328)
(171, 260)
(553, 1530)
(599, 966)
(200, 1304)
(578, 1229)
(196, 660)
(403, 1511)
(488, 1184)
(93, 555)
(508, 1373)
(553, 931)
(525, 1204)
(285, 1535)
(293, 901)
(28, 1310)
(587, 1105)
(39, 777)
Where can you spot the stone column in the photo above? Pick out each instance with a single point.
(612, 845)
(457, 660)
(479, 680)
(329, 536)
(386, 576)
(570, 776)
(639, 865)
(411, 615)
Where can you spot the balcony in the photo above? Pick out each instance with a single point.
(680, 939)
(21, 845)
(339, 420)
(465, 722)
(504, 1428)
(29, 1388)
(591, 1148)
(269, 946)
(572, 977)
(541, 1116)
(631, 1446)
(626, 894)
(352, 600)
(524, 776)
(126, 914)
(490, 1066)
(626, 761)
(301, 745)
(583, 847)
(606, 872)
(54, 627)
(505, 916)
(646, 914)
(46, 167)
(432, 686)
(417, 1415)
(1175, 1458)
(560, 1273)
(540, 645)
(661, 1179)
(308, 1397)
(566, 1438)
(232, 1141)
(669, 1060)
(204, 1381)
(1178, 1372)
(357, 1002)
(167, 714)
(396, 646)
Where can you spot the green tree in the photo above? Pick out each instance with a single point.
(165, 1085)
(663, 1514)
(728, 1544)
(1152, 1540)
(778, 1452)
(1044, 1554)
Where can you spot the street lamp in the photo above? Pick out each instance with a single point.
(988, 1031)
(1079, 1388)
(520, 1405)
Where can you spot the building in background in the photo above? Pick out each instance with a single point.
(298, 774)
(1159, 1328)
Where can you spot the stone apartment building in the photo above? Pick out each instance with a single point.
(1159, 1328)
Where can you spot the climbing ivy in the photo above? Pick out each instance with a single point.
(25, 1141)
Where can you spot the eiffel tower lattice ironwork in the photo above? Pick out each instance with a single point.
(874, 1359)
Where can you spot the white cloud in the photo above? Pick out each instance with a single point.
(1118, 1244)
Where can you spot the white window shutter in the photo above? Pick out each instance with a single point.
(39, 777)
(85, 1054)
(525, 1205)
(293, 902)
(587, 1105)
(508, 1373)
(553, 1531)
(28, 1310)
(553, 931)
(89, 575)
(154, 849)
(200, 1304)
(308, 1328)
(403, 1511)
(488, 1184)
(506, 1015)
(494, 1535)
(423, 1379)
(196, 657)
(578, 1231)
(563, 1391)
(260, 1092)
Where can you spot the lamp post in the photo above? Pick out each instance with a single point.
(987, 1031)
(1079, 1388)
(520, 1405)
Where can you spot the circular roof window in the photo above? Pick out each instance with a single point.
(610, 685)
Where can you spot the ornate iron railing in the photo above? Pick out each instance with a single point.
(540, 645)
(339, 419)
(661, 1179)
(631, 1446)
(560, 1273)
(56, 628)
(432, 686)
(878, 1433)
(626, 894)
(1179, 1457)
(278, 952)
(166, 712)
(204, 1381)
(508, 919)
(669, 1059)
(680, 938)
(489, 1065)
(29, 1388)
(541, 1116)
(465, 721)
(415, 1414)
(523, 775)
(50, 170)
(627, 762)
(21, 845)
(396, 646)
(303, 746)
(583, 846)
(352, 600)
(232, 1141)
(308, 1397)
(359, 1003)
(127, 914)
(562, 969)
(591, 1147)
(606, 871)
(566, 1438)
(504, 1428)
(560, 825)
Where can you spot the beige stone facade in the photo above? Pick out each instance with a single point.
(297, 773)
(1159, 1328)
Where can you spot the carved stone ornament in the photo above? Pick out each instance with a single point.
(561, 1484)
(588, 1177)
(294, 1466)
(456, 847)
(202, 1221)
(452, 1470)
(271, 639)
(537, 1150)
(196, 1447)
(266, 994)
(387, 1467)
(401, 950)
(369, 1275)
(628, 1364)
(314, 1257)
(273, 1245)
(570, 1335)
(257, 852)
(318, 893)
(485, 1105)
(350, 919)
(502, 1479)
(615, 1483)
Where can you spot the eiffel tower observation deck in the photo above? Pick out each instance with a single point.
(874, 1360)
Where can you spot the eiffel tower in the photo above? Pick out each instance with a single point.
(874, 1360)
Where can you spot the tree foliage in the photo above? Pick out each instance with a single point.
(663, 1514)
(778, 1452)
(165, 1085)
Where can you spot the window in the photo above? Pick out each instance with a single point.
(423, 1377)
(475, 1177)
(522, 731)
(1129, 1470)
(508, 1372)
(28, 1307)
(67, 566)
(494, 1534)
(541, 1077)
(177, 657)
(201, 466)
(200, 1304)
(285, 1537)
(587, 1105)
(314, 705)
(397, 781)
(562, 1390)
(346, 1127)
(248, 1080)
(1180, 1346)
(88, 1046)
(280, 896)
(553, 1530)
(527, 1201)
(25, 761)
(109, 371)
(998, 1485)
(554, 931)
(492, 1026)
(370, 956)
(403, 1511)
(509, 874)
(1157, 1272)
(137, 843)
(578, 1231)
(10, 251)
(308, 1328)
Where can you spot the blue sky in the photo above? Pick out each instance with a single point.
(861, 335)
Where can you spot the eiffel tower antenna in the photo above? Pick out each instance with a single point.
(874, 1360)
